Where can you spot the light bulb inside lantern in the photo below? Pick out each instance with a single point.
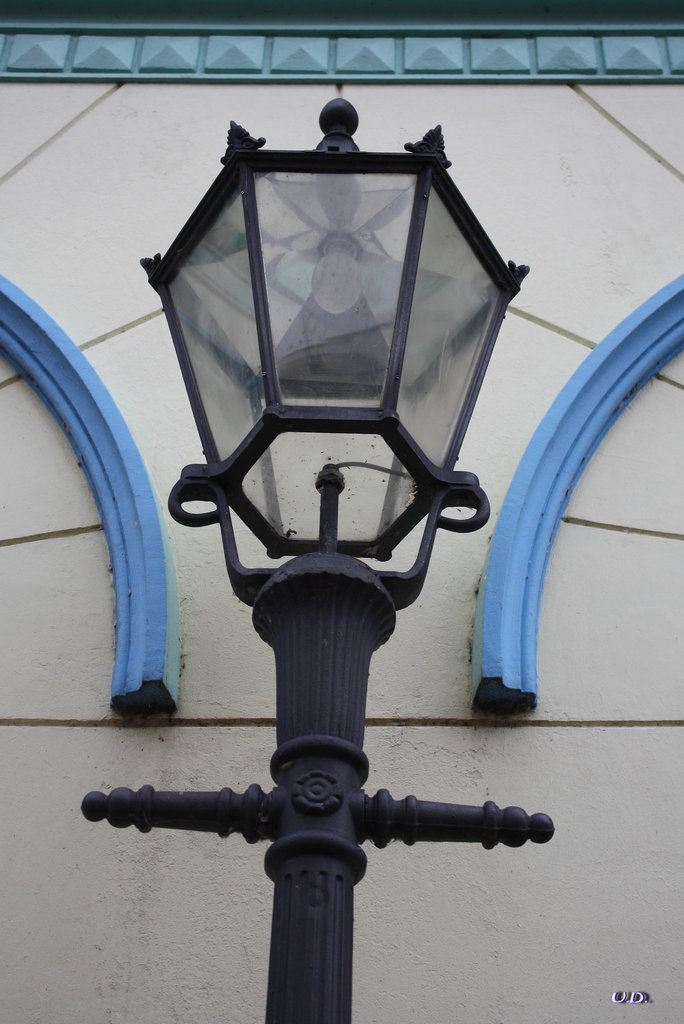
(336, 284)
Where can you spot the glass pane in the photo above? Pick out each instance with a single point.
(212, 293)
(453, 305)
(333, 248)
(282, 485)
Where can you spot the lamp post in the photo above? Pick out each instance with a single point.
(333, 313)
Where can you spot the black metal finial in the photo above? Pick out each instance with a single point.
(339, 115)
(432, 143)
(150, 263)
(519, 271)
(338, 121)
(240, 139)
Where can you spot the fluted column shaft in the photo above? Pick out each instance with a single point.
(324, 615)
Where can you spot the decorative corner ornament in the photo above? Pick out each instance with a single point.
(240, 139)
(518, 272)
(317, 792)
(150, 264)
(432, 143)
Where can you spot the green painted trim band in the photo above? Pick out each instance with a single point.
(556, 54)
(457, 13)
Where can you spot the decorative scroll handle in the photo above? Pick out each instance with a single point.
(252, 813)
(381, 818)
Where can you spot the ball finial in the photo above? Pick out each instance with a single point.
(339, 116)
(94, 806)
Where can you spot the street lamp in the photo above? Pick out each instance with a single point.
(333, 313)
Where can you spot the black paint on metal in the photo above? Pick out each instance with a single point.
(324, 613)
(432, 143)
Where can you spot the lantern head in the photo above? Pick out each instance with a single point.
(333, 308)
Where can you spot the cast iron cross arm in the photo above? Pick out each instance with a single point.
(380, 819)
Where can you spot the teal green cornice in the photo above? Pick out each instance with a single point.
(348, 15)
(378, 41)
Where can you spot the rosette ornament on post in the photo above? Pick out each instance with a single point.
(333, 313)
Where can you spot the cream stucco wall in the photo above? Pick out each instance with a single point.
(585, 184)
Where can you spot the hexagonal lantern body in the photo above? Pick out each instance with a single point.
(333, 307)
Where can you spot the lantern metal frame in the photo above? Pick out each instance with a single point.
(436, 488)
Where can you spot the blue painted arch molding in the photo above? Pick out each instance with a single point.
(147, 647)
(509, 599)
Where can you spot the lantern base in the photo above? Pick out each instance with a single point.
(324, 615)
(210, 485)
